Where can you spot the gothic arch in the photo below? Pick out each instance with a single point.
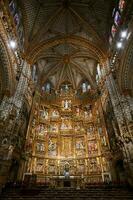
(33, 53)
(7, 62)
(126, 68)
(5, 72)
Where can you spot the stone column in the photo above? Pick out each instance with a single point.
(122, 107)
(11, 120)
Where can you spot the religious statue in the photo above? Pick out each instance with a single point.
(81, 169)
(89, 130)
(86, 114)
(92, 147)
(77, 112)
(66, 125)
(100, 130)
(52, 147)
(41, 129)
(66, 88)
(90, 114)
(84, 87)
(51, 169)
(55, 113)
(94, 166)
(105, 164)
(33, 122)
(44, 114)
(35, 112)
(103, 141)
(77, 127)
(63, 126)
(40, 147)
(79, 145)
(39, 167)
(66, 104)
(10, 152)
(69, 125)
(66, 170)
(54, 128)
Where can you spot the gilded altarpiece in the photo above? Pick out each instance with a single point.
(67, 138)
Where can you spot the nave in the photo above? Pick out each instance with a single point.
(66, 98)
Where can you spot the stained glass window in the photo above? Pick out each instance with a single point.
(113, 30)
(34, 73)
(12, 7)
(113, 12)
(85, 86)
(16, 19)
(110, 40)
(121, 5)
(47, 87)
(117, 18)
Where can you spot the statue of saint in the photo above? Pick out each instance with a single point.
(77, 112)
(39, 167)
(66, 88)
(63, 126)
(86, 114)
(54, 127)
(55, 113)
(66, 170)
(44, 113)
(77, 127)
(66, 104)
(89, 130)
(10, 152)
(40, 147)
(90, 114)
(40, 129)
(103, 141)
(52, 147)
(79, 145)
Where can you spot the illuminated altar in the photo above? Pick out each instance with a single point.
(67, 139)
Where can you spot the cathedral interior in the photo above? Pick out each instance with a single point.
(66, 92)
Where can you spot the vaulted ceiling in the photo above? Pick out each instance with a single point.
(66, 38)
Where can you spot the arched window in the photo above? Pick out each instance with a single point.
(121, 5)
(85, 86)
(117, 18)
(99, 73)
(113, 30)
(17, 17)
(47, 87)
(65, 87)
(34, 73)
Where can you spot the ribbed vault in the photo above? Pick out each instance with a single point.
(69, 37)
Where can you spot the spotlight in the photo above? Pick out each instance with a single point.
(12, 44)
(124, 34)
(119, 45)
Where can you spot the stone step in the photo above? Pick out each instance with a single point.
(92, 193)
